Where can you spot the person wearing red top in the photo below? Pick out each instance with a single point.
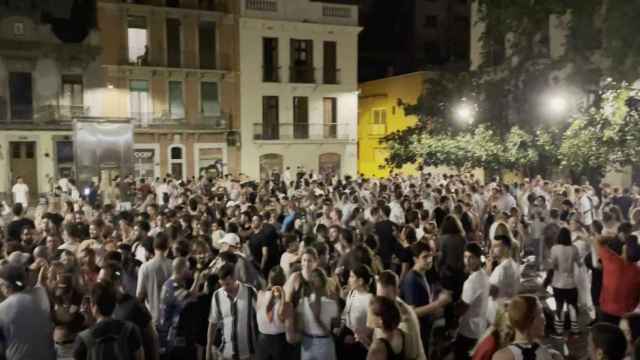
(621, 282)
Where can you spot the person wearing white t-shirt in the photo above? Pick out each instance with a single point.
(312, 320)
(20, 192)
(474, 303)
(505, 278)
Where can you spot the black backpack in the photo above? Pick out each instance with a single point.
(111, 346)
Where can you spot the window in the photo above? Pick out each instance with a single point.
(300, 117)
(207, 45)
(270, 118)
(30, 150)
(71, 90)
(270, 60)
(173, 3)
(431, 21)
(174, 50)
(209, 102)
(302, 61)
(139, 100)
(330, 63)
(378, 122)
(138, 43)
(20, 96)
(176, 100)
(330, 118)
(176, 161)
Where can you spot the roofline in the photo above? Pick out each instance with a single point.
(424, 72)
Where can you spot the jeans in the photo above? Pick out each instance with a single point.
(318, 348)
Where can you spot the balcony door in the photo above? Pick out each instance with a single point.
(270, 118)
(300, 117)
(139, 101)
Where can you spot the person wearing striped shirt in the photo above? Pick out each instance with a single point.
(232, 319)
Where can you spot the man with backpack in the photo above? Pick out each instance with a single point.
(109, 338)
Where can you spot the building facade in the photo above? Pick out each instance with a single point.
(381, 114)
(49, 74)
(172, 67)
(298, 85)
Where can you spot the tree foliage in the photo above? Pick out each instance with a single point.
(512, 131)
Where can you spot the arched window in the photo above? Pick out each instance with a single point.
(329, 164)
(270, 162)
(176, 161)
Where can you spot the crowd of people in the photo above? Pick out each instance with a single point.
(299, 266)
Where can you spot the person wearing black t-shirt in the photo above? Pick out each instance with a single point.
(128, 308)
(263, 244)
(103, 304)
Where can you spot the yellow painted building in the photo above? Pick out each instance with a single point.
(381, 113)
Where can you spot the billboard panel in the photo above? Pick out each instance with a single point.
(102, 149)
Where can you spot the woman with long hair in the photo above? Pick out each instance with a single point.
(272, 339)
(386, 317)
(564, 255)
(354, 316)
(313, 319)
(451, 263)
(527, 318)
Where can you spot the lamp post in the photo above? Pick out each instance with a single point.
(465, 112)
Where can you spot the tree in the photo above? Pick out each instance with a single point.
(508, 85)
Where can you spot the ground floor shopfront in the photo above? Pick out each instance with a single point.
(42, 157)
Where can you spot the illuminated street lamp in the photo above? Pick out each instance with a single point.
(465, 112)
(556, 104)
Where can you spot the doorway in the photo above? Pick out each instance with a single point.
(24, 163)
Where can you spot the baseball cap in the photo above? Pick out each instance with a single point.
(231, 239)
(14, 275)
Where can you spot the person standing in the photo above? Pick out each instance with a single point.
(20, 192)
(564, 255)
(26, 330)
(153, 274)
(108, 338)
(232, 317)
(418, 292)
(505, 277)
(473, 304)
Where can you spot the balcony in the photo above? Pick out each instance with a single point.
(301, 131)
(167, 121)
(336, 11)
(302, 74)
(44, 117)
(331, 76)
(271, 73)
(262, 5)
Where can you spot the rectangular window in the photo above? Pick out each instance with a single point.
(270, 60)
(209, 99)
(330, 62)
(139, 100)
(207, 45)
(330, 118)
(378, 122)
(72, 90)
(300, 117)
(137, 39)
(270, 118)
(431, 21)
(302, 61)
(21, 96)
(174, 49)
(176, 100)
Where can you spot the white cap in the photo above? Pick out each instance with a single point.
(231, 239)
